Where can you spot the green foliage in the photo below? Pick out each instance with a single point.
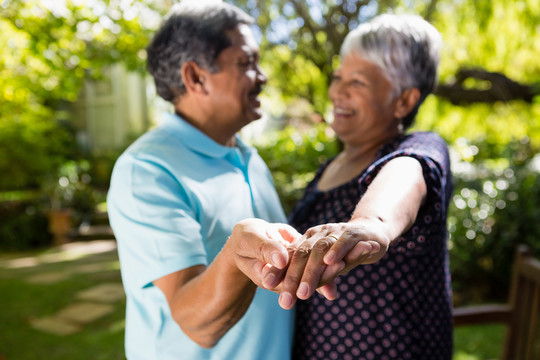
(499, 36)
(497, 124)
(22, 226)
(301, 40)
(494, 208)
(23, 214)
(293, 158)
(302, 78)
(70, 188)
(496, 35)
(48, 50)
(31, 146)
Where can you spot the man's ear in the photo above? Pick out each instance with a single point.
(193, 77)
(406, 102)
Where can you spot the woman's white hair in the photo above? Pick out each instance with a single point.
(405, 47)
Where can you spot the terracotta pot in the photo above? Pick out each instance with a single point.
(60, 222)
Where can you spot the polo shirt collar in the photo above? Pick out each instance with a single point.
(198, 141)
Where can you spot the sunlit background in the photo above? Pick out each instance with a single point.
(74, 93)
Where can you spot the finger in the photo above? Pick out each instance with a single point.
(256, 240)
(292, 277)
(351, 265)
(253, 269)
(314, 268)
(345, 245)
(307, 252)
(340, 248)
(272, 276)
(331, 272)
(295, 244)
(277, 259)
(315, 229)
(362, 251)
(329, 291)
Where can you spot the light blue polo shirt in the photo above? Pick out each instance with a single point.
(175, 196)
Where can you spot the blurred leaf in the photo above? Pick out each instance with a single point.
(48, 50)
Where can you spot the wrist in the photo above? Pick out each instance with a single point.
(232, 263)
(376, 228)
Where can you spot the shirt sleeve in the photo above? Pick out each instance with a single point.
(153, 220)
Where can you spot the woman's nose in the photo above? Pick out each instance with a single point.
(336, 90)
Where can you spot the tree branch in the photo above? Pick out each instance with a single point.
(430, 10)
(299, 6)
(500, 88)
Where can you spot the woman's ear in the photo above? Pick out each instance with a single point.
(193, 77)
(406, 102)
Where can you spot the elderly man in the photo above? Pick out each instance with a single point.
(181, 194)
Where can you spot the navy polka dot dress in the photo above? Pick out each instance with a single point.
(399, 307)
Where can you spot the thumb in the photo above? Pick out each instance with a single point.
(279, 236)
(257, 239)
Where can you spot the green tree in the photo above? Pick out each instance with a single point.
(301, 40)
(501, 38)
(48, 50)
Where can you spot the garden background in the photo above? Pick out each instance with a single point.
(58, 143)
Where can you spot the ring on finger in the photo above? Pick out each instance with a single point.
(333, 236)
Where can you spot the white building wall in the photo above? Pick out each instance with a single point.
(112, 111)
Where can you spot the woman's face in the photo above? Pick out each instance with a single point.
(363, 103)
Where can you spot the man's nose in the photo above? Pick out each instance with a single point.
(261, 76)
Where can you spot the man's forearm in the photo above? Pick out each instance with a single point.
(209, 304)
(207, 301)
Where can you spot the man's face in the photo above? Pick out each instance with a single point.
(234, 89)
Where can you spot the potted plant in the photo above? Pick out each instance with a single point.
(69, 197)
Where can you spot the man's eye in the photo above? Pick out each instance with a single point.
(248, 63)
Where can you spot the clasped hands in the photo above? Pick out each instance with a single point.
(276, 257)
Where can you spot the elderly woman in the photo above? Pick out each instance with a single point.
(384, 202)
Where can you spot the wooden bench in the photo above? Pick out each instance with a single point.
(521, 315)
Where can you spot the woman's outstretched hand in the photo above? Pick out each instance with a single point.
(323, 253)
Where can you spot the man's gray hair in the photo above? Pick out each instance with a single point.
(191, 31)
(406, 49)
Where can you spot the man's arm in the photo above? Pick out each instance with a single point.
(207, 301)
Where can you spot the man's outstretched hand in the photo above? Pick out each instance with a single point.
(255, 244)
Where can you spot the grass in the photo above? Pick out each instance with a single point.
(22, 301)
(479, 342)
